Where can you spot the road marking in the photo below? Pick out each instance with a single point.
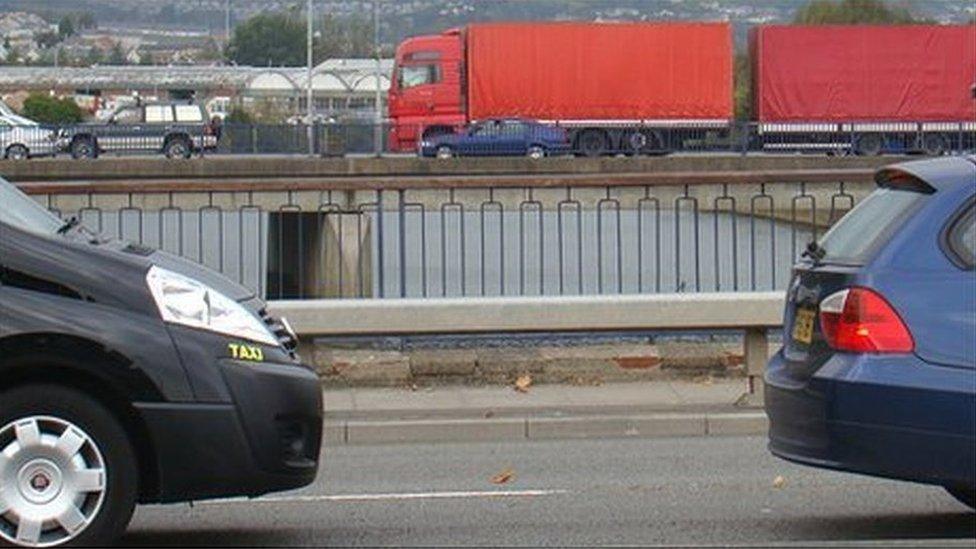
(394, 496)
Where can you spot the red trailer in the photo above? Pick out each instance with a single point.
(632, 87)
(870, 89)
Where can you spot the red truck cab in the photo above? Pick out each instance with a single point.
(427, 92)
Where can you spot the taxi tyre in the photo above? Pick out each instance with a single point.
(109, 437)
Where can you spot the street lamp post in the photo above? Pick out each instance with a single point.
(308, 83)
(378, 100)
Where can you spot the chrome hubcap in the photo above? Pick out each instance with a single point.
(52, 481)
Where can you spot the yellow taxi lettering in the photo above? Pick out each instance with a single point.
(245, 352)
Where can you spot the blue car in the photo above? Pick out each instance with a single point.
(877, 374)
(506, 137)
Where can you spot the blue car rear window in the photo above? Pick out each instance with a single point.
(869, 225)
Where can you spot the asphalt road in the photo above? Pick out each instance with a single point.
(690, 491)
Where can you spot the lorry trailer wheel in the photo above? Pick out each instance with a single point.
(69, 473)
(536, 152)
(592, 143)
(934, 144)
(869, 145)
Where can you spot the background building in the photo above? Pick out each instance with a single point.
(342, 88)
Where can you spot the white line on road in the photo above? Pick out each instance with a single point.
(394, 497)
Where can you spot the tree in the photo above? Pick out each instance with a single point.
(268, 39)
(51, 110)
(854, 12)
(66, 27)
(94, 56)
(47, 39)
(349, 37)
(14, 55)
(238, 115)
(117, 55)
(87, 21)
(743, 87)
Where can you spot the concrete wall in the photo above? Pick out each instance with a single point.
(257, 167)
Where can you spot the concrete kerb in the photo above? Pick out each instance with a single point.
(661, 425)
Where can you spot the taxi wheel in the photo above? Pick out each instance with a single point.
(965, 496)
(67, 468)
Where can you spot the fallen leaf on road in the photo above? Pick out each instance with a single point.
(523, 383)
(503, 477)
(779, 482)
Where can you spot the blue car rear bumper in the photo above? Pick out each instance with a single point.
(895, 417)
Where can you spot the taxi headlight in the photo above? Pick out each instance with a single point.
(188, 302)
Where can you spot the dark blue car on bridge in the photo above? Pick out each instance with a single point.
(877, 374)
(501, 137)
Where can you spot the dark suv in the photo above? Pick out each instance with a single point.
(130, 375)
(174, 129)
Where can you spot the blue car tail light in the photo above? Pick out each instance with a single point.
(860, 320)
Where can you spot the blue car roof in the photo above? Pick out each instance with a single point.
(940, 174)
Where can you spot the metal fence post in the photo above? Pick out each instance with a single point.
(379, 243)
(755, 354)
(402, 240)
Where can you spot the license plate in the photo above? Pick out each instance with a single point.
(803, 325)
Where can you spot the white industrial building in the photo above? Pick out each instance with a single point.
(341, 88)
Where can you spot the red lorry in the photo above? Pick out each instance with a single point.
(628, 87)
(866, 89)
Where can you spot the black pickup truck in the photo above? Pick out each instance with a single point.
(174, 129)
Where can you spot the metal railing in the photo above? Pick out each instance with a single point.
(497, 236)
(488, 139)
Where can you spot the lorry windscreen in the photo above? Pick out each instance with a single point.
(19, 210)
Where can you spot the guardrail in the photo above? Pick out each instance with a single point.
(752, 312)
(486, 139)
(453, 236)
